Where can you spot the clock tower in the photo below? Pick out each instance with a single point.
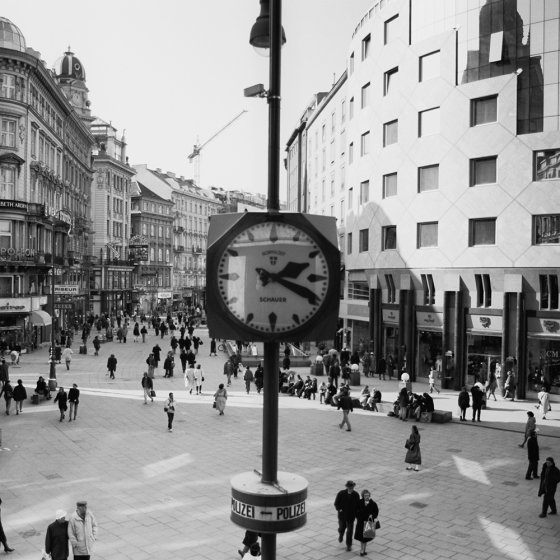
(71, 76)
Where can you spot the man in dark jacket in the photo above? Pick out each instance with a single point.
(550, 477)
(533, 455)
(56, 539)
(62, 400)
(74, 400)
(345, 403)
(346, 503)
(112, 365)
(476, 402)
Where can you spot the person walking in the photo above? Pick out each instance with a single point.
(8, 392)
(3, 539)
(4, 372)
(213, 347)
(169, 365)
(124, 332)
(136, 332)
(189, 379)
(62, 400)
(346, 505)
(82, 531)
(345, 403)
(228, 370)
(147, 386)
(250, 543)
(198, 379)
(259, 378)
(143, 332)
(544, 402)
(56, 539)
(366, 510)
(96, 345)
(491, 385)
(510, 386)
(533, 456)
(403, 404)
(248, 378)
(151, 363)
(67, 356)
(464, 402)
(550, 477)
(169, 408)
(74, 400)
(112, 366)
(20, 394)
(413, 454)
(477, 397)
(432, 380)
(220, 398)
(530, 426)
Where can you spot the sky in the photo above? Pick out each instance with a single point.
(171, 73)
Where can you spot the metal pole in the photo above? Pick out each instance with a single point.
(272, 349)
(52, 372)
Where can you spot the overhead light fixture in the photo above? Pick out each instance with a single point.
(260, 32)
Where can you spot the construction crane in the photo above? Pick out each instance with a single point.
(195, 155)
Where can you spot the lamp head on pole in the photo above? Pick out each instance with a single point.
(260, 32)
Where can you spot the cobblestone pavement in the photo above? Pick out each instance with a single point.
(167, 495)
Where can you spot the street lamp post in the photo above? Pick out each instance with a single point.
(52, 370)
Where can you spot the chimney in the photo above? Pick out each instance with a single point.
(171, 174)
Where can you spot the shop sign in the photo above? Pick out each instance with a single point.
(14, 205)
(66, 305)
(391, 316)
(549, 327)
(164, 295)
(11, 254)
(429, 320)
(485, 323)
(66, 289)
(15, 305)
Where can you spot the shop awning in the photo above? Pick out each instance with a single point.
(41, 317)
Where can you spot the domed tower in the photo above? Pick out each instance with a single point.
(11, 37)
(72, 77)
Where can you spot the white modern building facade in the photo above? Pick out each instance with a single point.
(438, 151)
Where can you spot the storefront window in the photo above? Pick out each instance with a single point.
(429, 352)
(543, 364)
(483, 354)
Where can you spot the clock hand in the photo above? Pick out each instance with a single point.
(264, 276)
(291, 270)
(297, 289)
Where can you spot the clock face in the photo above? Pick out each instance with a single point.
(273, 277)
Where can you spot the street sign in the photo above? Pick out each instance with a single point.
(66, 305)
(67, 289)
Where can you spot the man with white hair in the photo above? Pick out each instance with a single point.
(56, 539)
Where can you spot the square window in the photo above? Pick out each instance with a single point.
(428, 178)
(389, 238)
(364, 192)
(428, 122)
(429, 66)
(484, 110)
(389, 185)
(483, 171)
(389, 80)
(482, 231)
(364, 240)
(390, 133)
(546, 165)
(390, 30)
(427, 235)
(546, 229)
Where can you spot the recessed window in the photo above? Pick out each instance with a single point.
(7, 132)
(484, 110)
(428, 178)
(389, 185)
(482, 231)
(349, 244)
(342, 212)
(548, 284)
(364, 143)
(350, 197)
(429, 66)
(546, 229)
(343, 112)
(366, 45)
(364, 240)
(351, 153)
(390, 133)
(8, 89)
(546, 165)
(483, 290)
(7, 182)
(429, 289)
(427, 235)
(390, 80)
(389, 238)
(351, 64)
(390, 29)
(483, 171)
(364, 192)
(428, 122)
(365, 95)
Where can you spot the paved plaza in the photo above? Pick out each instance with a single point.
(161, 495)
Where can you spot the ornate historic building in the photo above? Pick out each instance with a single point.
(45, 177)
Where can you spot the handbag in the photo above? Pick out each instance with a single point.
(203, 378)
(369, 529)
(407, 444)
(152, 393)
(377, 524)
(214, 404)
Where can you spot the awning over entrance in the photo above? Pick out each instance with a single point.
(40, 317)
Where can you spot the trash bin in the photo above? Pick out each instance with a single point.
(57, 353)
(317, 369)
(53, 383)
(355, 378)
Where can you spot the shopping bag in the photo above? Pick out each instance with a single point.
(369, 529)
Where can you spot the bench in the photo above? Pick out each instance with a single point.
(441, 416)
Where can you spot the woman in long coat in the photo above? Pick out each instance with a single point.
(220, 396)
(366, 508)
(413, 455)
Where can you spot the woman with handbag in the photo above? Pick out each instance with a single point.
(413, 455)
(366, 517)
(220, 398)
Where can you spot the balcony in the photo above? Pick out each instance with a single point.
(197, 250)
(179, 249)
(178, 229)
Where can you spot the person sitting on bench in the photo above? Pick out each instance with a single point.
(42, 388)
